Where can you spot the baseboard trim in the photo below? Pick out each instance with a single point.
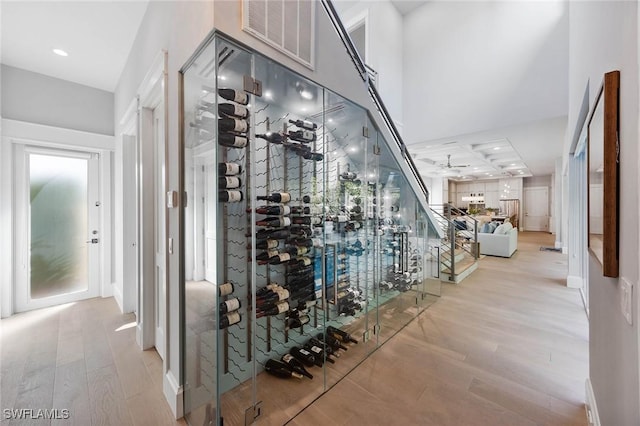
(117, 294)
(574, 281)
(173, 394)
(593, 419)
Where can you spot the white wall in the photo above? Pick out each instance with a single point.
(457, 53)
(384, 48)
(37, 98)
(604, 37)
(178, 27)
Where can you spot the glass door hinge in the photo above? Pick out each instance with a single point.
(253, 413)
(252, 86)
(365, 131)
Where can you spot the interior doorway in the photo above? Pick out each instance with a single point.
(536, 209)
(58, 232)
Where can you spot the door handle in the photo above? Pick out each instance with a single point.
(92, 241)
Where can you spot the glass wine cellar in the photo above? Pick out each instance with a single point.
(303, 243)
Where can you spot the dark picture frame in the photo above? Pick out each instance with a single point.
(603, 175)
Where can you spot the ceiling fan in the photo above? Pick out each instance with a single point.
(453, 166)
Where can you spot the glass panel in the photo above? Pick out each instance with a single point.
(58, 205)
(288, 159)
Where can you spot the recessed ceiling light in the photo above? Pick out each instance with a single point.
(222, 77)
(60, 52)
(513, 164)
(305, 94)
(496, 148)
(268, 94)
(303, 109)
(330, 120)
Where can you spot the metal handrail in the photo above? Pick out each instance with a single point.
(373, 92)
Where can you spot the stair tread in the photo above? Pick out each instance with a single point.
(461, 266)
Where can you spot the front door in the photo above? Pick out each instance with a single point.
(58, 237)
(536, 209)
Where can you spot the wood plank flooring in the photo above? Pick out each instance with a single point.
(81, 357)
(507, 346)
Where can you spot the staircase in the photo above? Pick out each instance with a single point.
(459, 249)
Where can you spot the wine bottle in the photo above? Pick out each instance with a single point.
(342, 336)
(275, 138)
(306, 199)
(229, 169)
(234, 110)
(305, 124)
(233, 95)
(313, 156)
(274, 210)
(232, 125)
(347, 176)
(302, 272)
(303, 355)
(298, 148)
(305, 294)
(276, 197)
(328, 349)
(300, 262)
(304, 136)
(229, 319)
(301, 230)
(266, 255)
(280, 258)
(232, 141)
(356, 209)
(300, 281)
(300, 210)
(267, 289)
(267, 244)
(320, 355)
(296, 250)
(275, 309)
(275, 295)
(230, 196)
(230, 305)
(273, 234)
(335, 343)
(295, 365)
(274, 221)
(225, 289)
(280, 369)
(306, 220)
(229, 182)
(298, 322)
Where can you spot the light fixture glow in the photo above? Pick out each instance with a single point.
(353, 149)
(306, 95)
(496, 148)
(60, 52)
(222, 77)
(268, 94)
(330, 120)
(303, 109)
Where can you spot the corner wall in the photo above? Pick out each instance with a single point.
(604, 37)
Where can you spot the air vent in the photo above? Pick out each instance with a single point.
(287, 25)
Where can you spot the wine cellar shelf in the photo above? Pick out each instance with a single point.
(304, 244)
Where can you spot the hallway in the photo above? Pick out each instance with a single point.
(508, 346)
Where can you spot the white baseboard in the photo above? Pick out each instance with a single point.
(574, 281)
(117, 294)
(173, 394)
(558, 244)
(565, 250)
(593, 419)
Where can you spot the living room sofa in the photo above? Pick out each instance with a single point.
(503, 243)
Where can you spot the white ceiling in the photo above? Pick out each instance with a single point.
(97, 35)
(406, 6)
(481, 71)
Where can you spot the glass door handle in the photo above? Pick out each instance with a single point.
(92, 241)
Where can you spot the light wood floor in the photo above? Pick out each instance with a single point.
(81, 357)
(508, 346)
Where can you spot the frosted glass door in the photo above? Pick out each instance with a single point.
(57, 219)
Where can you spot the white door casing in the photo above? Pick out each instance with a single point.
(25, 208)
(160, 273)
(536, 208)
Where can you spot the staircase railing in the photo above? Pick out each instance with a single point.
(373, 92)
(461, 232)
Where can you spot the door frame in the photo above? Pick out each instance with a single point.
(151, 93)
(19, 132)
